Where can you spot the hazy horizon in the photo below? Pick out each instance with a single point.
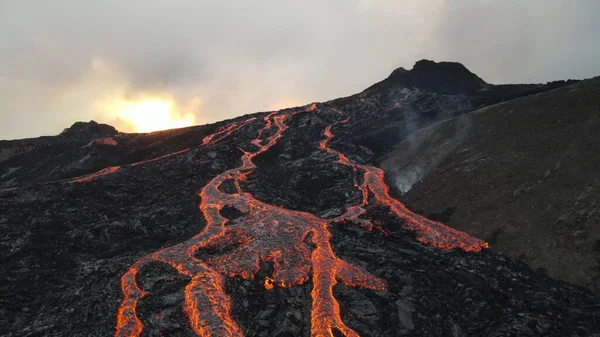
(189, 62)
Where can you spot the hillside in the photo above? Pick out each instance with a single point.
(523, 175)
(271, 224)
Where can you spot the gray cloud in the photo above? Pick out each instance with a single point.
(244, 56)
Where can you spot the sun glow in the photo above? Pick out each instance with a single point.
(151, 114)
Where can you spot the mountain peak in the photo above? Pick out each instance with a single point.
(442, 77)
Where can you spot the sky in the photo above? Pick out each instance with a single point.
(152, 63)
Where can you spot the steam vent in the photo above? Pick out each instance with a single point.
(297, 222)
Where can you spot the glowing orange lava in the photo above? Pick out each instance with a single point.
(92, 176)
(269, 283)
(113, 169)
(264, 233)
(210, 139)
(225, 132)
(296, 243)
(428, 232)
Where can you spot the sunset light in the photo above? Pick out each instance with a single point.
(149, 115)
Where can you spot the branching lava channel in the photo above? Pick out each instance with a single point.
(268, 233)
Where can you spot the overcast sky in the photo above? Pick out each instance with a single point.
(61, 61)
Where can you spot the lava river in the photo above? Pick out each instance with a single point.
(428, 232)
(296, 243)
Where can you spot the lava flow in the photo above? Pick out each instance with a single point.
(296, 243)
(112, 169)
(92, 176)
(263, 233)
(428, 232)
(208, 140)
(225, 132)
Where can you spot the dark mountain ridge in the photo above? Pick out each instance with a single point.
(270, 224)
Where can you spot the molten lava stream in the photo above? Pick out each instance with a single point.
(428, 232)
(225, 132)
(208, 140)
(264, 232)
(113, 169)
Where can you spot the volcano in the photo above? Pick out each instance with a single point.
(278, 223)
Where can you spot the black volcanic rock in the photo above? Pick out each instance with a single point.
(449, 78)
(89, 130)
(79, 134)
(65, 244)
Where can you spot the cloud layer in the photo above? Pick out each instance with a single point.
(58, 59)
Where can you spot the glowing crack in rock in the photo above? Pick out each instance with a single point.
(296, 243)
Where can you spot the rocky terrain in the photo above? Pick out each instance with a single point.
(270, 224)
(523, 175)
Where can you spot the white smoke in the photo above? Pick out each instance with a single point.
(405, 179)
(423, 151)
